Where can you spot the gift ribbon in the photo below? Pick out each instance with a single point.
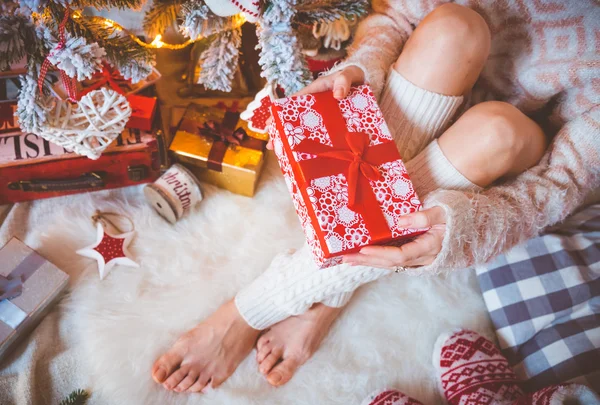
(350, 155)
(224, 134)
(108, 76)
(11, 287)
(68, 82)
(11, 315)
(12, 284)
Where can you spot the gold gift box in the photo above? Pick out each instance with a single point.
(240, 167)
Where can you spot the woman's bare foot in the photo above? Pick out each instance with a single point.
(207, 354)
(290, 343)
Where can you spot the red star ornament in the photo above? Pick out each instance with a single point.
(109, 250)
(258, 112)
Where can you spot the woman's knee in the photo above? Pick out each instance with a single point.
(493, 140)
(505, 131)
(451, 44)
(458, 30)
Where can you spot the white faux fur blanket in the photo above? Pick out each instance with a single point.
(105, 335)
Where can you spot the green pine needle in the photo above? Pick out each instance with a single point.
(77, 397)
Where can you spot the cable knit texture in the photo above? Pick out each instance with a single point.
(431, 170)
(416, 116)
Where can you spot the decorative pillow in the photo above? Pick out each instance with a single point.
(544, 301)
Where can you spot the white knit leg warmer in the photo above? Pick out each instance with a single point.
(415, 116)
(292, 283)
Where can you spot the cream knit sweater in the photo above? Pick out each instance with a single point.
(530, 67)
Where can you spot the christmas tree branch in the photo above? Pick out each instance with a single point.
(17, 39)
(220, 60)
(100, 4)
(162, 15)
(77, 397)
(322, 10)
(199, 21)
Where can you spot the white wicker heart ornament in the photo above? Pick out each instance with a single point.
(88, 127)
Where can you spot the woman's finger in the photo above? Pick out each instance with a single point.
(321, 84)
(357, 259)
(423, 219)
(399, 256)
(341, 86)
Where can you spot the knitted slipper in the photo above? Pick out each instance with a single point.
(389, 397)
(471, 369)
(561, 394)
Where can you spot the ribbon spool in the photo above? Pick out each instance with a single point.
(174, 193)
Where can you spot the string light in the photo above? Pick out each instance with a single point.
(157, 42)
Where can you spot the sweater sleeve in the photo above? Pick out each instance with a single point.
(377, 43)
(483, 225)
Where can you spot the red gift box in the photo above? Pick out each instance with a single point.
(143, 110)
(342, 167)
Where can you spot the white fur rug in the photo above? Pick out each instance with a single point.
(119, 326)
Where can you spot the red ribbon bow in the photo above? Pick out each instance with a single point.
(220, 133)
(68, 82)
(108, 75)
(360, 162)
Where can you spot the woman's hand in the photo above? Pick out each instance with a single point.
(340, 82)
(420, 252)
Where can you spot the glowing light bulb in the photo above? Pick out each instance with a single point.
(157, 41)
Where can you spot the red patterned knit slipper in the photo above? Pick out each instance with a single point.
(389, 397)
(472, 371)
(561, 394)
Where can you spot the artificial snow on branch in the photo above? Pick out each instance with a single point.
(199, 21)
(76, 58)
(326, 10)
(32, 106)
(17, 39)
(219, 61)
(281, 56)
(122, 51)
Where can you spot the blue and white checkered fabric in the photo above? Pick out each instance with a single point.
(544, 301)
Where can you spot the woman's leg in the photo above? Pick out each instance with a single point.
(490, 141)
(209, 353)
(421, 97)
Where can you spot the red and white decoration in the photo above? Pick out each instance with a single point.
(109, 250)
(390, 397)
(347, 181)
(258, 112)
(225, 8)
(473, 371)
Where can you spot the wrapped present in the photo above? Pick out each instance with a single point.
(29, 285)
(112, 78)
(143, 110)
(219, 148)
(347, 181)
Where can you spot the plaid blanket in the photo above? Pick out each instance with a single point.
(544, 301)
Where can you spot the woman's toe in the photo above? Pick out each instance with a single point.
(186, 382)
(263, 340)
(165, 366)
(199, 384)
(283, 372)
(269, 362)
(174, 379)
(263, 353)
